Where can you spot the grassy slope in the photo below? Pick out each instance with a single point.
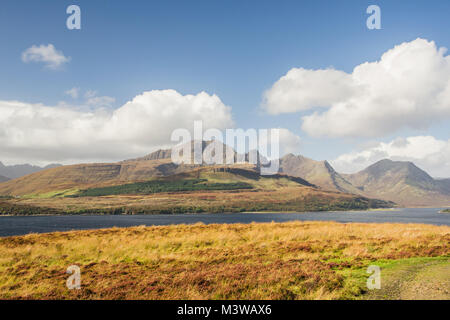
(296, 260)
(151, 187)
(274, 193)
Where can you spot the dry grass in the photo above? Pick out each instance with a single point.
(279, 198)
(295, 260)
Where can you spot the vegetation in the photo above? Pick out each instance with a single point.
(157, 186)
(445, 211)
(295, 260)
(8, 208)
(268, 198)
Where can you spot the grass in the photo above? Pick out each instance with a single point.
(295, 260)
(211, 190)
(445, 211)
(281, 198)
(156, 186)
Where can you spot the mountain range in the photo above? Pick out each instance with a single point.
(398, 181)
(17, 171)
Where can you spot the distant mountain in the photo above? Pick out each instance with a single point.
(3, 179)
(166, 154)
(319, 173)
(402, 182)
(17, 171)
(444, 185)
(155, 165)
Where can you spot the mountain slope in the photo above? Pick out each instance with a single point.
(320, 173)
(69, 178)
(401, 182)
(210, 189)
(17, 171)
(3, 179)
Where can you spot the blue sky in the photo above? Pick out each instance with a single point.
(234, 49)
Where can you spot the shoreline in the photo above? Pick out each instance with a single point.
(203, 213)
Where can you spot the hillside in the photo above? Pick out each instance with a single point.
(3, 179)
(211, 189)
(320, 173)
(85, 175)
(401, 182)
(66, 178)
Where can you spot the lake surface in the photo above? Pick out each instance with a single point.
(20, 225)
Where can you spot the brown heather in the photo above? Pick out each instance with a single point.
(295, 260)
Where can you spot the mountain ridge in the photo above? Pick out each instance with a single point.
(402, 182)
(398, 181)
(20, 170)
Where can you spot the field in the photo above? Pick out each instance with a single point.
(295, 260)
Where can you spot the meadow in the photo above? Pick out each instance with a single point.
(295, 260)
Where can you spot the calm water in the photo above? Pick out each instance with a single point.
(10, 226)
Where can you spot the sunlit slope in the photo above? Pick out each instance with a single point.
(401, 182)
(319, 173)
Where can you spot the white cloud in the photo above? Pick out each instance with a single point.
(289, 142)
(74, 92)
(40, 134)
(90, 94)
(47, 54)
(301, 89)
(427, 152)
(104, 101)
(409, 87)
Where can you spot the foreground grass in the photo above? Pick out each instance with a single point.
(295, 260)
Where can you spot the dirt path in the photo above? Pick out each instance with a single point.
(421, 281)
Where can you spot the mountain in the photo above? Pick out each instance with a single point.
(444, 185)
(402, 182)
(16, 171)
(319, 173)
(3, 179)
(65, 178)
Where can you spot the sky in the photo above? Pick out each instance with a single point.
(137, 70)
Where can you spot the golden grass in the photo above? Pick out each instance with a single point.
(295, 260)
(292, 199)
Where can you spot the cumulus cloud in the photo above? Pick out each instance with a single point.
(47, 54)
(427, 152)
(40, 134)
(289, 142)
(409, 87)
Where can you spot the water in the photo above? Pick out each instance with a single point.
(20, 225)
